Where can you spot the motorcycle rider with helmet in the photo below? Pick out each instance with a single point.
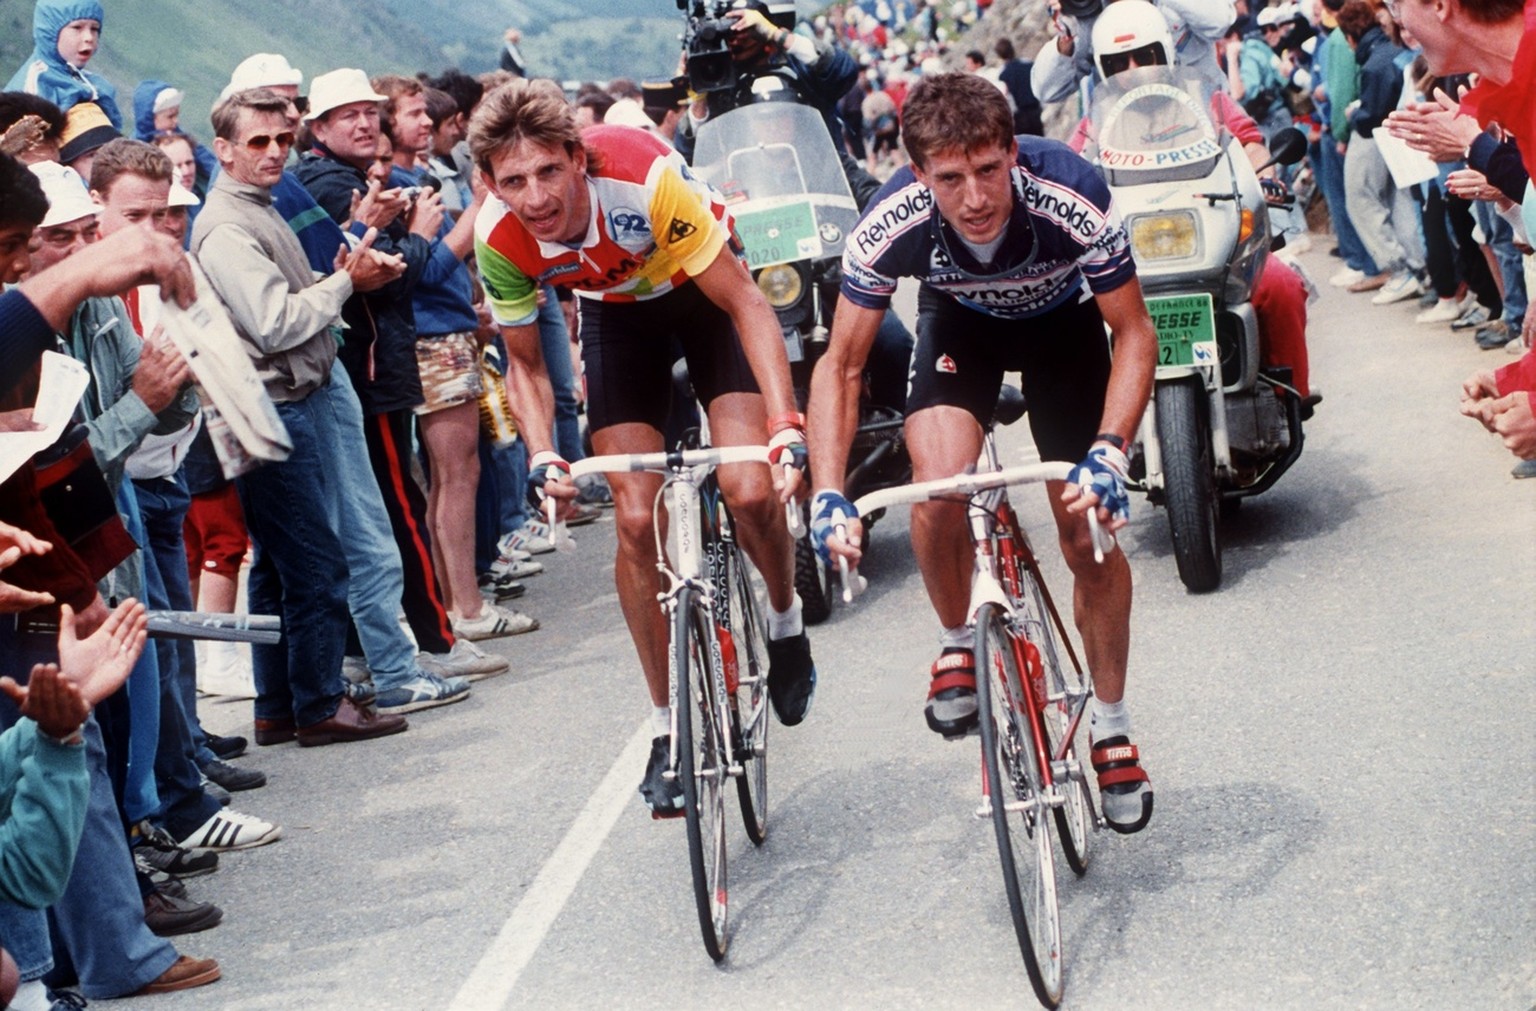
(1134, 33)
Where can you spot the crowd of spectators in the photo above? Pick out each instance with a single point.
(335, 225)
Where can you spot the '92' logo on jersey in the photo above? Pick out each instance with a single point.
(625, 223)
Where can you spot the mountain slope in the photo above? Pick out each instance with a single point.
(195, 46)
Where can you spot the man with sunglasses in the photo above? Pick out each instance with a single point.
(284, 318)
(1022, 260)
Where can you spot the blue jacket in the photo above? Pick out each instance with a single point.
(144, 129)
(1381, 82)
(47, 74)
(444, 298)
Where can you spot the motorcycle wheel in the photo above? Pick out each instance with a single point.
(1189, 483)
(813, 581)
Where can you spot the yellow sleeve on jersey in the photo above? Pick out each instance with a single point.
(683, 225)
(511, 294)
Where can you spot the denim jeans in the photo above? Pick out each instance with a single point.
(1501, 239)
(99, 921)
(163, 505)
(1330, 176)
(299, 572)
(98, 924)
(133, 741)
(356, 511)
(178, 781)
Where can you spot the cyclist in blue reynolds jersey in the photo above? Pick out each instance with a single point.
(1022, 260)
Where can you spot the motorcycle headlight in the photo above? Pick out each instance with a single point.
(1169, 236)
(782, 284)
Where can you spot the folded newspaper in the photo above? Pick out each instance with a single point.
(243, 424)
(266, 629)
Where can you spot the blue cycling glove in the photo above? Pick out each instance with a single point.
(545, 466)
(1103, 472)
(829, 509)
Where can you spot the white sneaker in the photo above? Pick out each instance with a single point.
(507, 567)
(1346, 277)
(465, 660)
(231, 830)
(1446, 310)
(1402, 286)
(494, 622)
(529, 538)
(506, 550)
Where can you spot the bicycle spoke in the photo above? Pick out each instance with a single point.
(1019, 807)
(702, 768)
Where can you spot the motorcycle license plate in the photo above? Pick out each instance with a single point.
(781, 234)
(1186, 330)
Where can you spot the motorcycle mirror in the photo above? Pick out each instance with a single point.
(1287, 147)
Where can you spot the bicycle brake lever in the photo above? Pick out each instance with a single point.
(1103, 540)
(793, 519)
(559, 536)
(854, 582)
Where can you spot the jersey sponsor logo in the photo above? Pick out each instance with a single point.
(946, 364)
(624, 222)
(560, 271)
(680, 229)
(491, 289)
(1078, 217)
(890, 216)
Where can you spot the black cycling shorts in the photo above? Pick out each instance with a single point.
(627, 351)
(1063, 356)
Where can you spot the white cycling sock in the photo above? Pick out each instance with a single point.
(661, 721)
(785, 624)
(31, 996)
(959, 637)
(1108, 719)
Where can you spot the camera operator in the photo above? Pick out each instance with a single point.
(1197, 25)
(819, 73)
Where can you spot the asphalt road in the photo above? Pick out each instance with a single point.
(1339, 740)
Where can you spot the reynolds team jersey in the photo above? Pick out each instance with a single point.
(654, 225)
(1064, 228)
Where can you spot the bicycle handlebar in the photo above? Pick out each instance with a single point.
(623, 463)
(970, 484)
(961, 484)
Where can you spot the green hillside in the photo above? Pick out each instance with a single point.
(195, 46)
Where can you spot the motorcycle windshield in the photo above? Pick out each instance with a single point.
(781, 177)
(1149, 126)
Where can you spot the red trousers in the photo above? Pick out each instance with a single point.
(1280, 302)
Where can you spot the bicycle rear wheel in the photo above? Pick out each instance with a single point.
(1067, 693)
(749, 702)
(1019, 812)
(701, 766)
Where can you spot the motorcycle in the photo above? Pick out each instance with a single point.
(1219, 427)
(781, 177)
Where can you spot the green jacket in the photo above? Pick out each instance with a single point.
(1342, 80)
(43, 791)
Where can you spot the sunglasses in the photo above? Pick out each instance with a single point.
(261, 141)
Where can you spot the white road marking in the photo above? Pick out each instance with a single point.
(491, 984)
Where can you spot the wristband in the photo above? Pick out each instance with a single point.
(72, 739)
(790, 419)
(1111, 438)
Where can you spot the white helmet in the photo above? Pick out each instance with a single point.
(1127, 27)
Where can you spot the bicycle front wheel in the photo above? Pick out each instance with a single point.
(1011, 765)
(749, 700)
(701, 766)
(1067, 691)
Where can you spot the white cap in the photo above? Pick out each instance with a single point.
(181, 196)
(627, 112)
(1270, 16)
(167, 98)
(338, 88)
(68, 198)
(261, 71)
